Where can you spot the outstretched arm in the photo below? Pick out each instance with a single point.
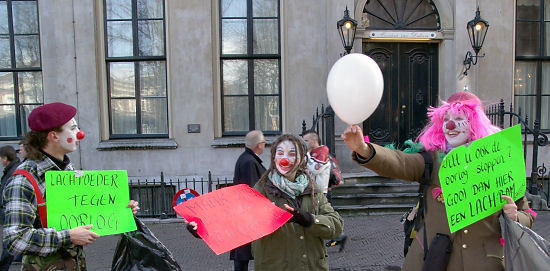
(385, 162)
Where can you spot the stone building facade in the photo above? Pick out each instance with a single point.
(172, 86)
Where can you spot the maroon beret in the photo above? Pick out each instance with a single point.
(49, 116)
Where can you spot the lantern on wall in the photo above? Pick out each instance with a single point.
(477, 30)
(346, 29)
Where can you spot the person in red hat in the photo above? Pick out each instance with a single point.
(319, 169)
(54, 133)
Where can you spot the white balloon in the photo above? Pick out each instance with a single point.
(354, 87)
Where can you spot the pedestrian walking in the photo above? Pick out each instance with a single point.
(248, 170)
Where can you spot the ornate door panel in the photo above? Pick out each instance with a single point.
(410, 87)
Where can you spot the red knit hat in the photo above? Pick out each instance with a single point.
(49, 116)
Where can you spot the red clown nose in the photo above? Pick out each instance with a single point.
(80, 135)
(450, 125)
(284, 162)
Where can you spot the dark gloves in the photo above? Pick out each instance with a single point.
(192, 231)
(303, 218)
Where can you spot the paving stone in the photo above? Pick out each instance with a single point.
(375, 244)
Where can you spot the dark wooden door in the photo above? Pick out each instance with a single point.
(410, 73)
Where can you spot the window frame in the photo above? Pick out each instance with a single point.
(250, 57)
(20, 130)
(539, 59)
(135, 59)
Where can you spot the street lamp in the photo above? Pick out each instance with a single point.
(477, 29)
(346, 29)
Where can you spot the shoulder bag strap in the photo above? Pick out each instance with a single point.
(428, 163)
(39, 198)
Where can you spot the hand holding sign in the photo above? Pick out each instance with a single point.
(510, 208)
(192, 228)
(474, 179)
(215, 214)
(99, 198)
(301, 217)
(354, 87)
(134, 205)
(82, 235)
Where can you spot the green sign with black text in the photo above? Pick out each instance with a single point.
(90, 197)
(474, 178)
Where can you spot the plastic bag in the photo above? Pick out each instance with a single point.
(141, 250)
(524, 249)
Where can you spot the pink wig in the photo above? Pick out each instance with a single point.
(433, 138)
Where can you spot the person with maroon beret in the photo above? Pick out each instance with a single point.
(53, 134)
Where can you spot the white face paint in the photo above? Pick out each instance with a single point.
(456, 128)
(67, 136)
(285, 157)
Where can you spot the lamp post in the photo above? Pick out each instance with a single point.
(477, 29)
(346, 29)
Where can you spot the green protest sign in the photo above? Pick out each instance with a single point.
(474, 178)
(94, 197)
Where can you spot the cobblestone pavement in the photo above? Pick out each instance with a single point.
(375, 243)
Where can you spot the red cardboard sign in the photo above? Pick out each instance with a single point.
(233, 216)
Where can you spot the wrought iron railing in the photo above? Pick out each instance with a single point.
(323, 124)
(155, 195)
(538, 179)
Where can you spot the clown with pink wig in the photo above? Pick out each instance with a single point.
(458, 121)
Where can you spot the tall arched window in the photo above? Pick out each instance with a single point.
(401, 15)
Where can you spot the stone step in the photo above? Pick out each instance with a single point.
(373, 209)
(368, 177)
(366, 193)
(376, 198)
(377, 187)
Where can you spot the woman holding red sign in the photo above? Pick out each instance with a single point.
(298, 244)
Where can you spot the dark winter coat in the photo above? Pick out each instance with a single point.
(248, 170)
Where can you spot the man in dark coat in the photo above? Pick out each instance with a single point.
(248, 170)
(8, 157)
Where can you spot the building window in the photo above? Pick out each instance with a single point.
(532, 69)
(136, 68)
(250, 62)
(20, 66)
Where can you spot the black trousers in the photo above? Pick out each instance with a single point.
(240, 265)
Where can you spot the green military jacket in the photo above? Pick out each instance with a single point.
(293, 247)
(476, 247)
